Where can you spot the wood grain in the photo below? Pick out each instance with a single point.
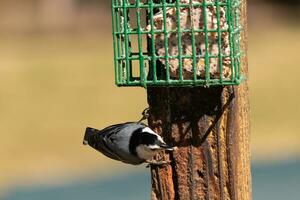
(210, 127)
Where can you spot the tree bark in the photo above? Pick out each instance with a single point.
(210, 127)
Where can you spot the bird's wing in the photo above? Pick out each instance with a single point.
(116, 139)
(98, 142)
(112, 139)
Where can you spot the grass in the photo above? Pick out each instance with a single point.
(53, 86)
(275, 91)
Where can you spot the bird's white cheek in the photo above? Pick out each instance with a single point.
(145, 153)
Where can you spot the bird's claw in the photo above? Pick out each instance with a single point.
(145, 114)
(153, 162)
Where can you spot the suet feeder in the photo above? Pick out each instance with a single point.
(176, 42)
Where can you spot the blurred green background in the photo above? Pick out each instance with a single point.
(56, 78)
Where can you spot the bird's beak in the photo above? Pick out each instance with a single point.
(166, 147)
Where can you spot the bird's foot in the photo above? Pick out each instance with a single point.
(153, 162)
(145, 115)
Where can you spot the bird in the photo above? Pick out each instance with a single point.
(131, 142)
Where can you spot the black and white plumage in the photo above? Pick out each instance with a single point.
(131, 142)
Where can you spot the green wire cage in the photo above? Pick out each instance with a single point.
(176, 42)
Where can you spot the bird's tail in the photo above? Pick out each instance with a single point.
(88, 133)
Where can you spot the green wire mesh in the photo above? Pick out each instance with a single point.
(176, 42)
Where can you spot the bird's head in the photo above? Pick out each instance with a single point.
(149, 143)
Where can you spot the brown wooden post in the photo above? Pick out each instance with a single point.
(210, 127)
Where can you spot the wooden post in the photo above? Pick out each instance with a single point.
(210, 127)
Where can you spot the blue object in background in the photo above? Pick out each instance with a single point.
(131, 187)
(280, 181)
(270, 182)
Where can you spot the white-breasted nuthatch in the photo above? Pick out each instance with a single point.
(131, 142)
